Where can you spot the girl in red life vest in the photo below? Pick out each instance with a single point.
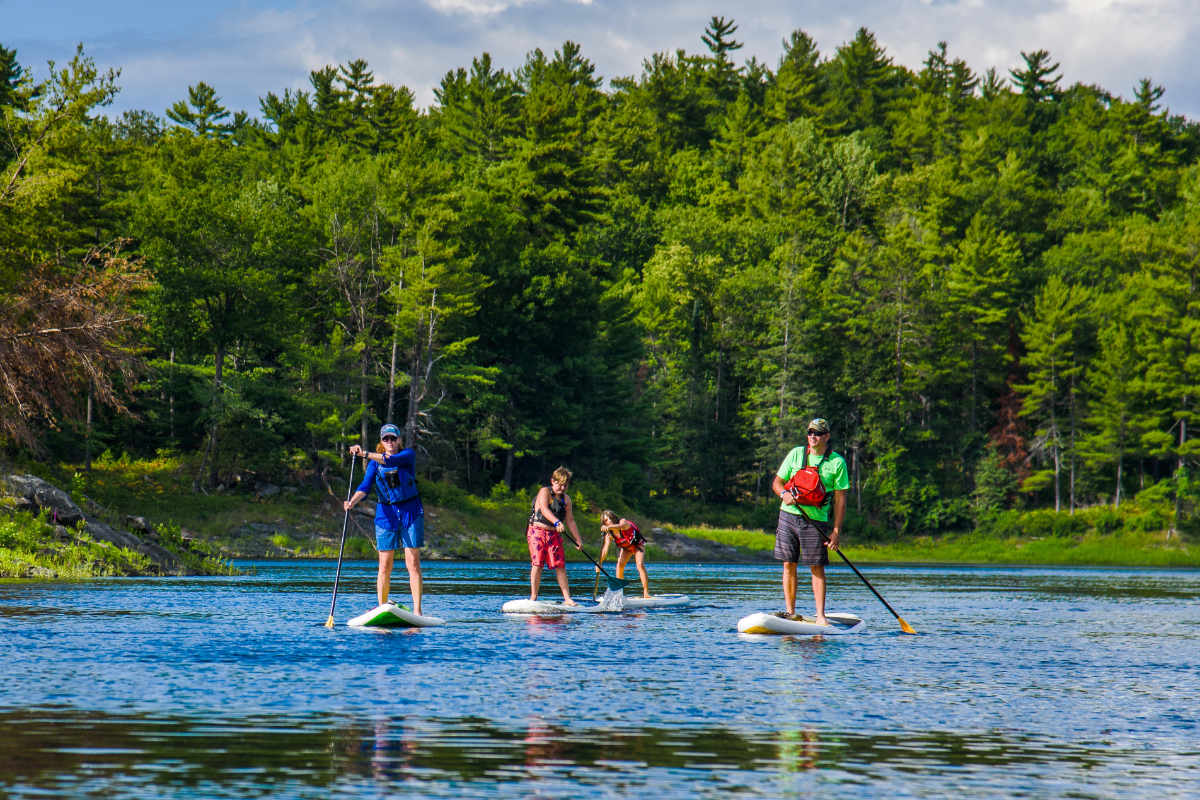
(628, 538)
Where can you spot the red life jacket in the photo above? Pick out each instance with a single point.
(805, 484)
(626, 539)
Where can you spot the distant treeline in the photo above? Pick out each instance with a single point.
(987, 283)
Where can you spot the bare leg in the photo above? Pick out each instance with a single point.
(412, 559)
(535, 581)
(818, 586)
(639, 558)
(622, 560)
(561, 574)
(383, 581)
(789, 587)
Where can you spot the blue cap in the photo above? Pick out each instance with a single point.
(389, 429)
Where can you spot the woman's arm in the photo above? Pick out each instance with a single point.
(607, 537)
(353, 501)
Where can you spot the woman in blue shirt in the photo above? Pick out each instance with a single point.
(399, 515)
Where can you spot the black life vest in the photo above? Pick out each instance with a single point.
(557, 505)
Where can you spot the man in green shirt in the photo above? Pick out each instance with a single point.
(803, 534)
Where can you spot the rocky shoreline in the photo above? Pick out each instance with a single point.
(167, 550)
(71, 524)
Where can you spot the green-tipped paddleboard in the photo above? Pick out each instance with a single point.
(390, 615)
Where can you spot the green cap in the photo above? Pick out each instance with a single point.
(819, 425)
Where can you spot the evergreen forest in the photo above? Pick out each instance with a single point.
(986, 282)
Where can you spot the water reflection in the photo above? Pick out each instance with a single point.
(66, 751)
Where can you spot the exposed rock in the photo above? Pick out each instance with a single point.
(264, 490)
(160, 556)
(139, 525)
(34, 494)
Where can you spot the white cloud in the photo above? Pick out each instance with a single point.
(474, 7)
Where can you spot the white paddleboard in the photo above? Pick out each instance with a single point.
(390, 615)
(527, 606)
(657, 601)
(803, 626)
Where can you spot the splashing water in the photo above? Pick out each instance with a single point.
(613, 600)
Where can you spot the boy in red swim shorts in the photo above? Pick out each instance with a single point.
(552, 513)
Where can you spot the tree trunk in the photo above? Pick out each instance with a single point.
(87, 450)
(208, 461)
(362, 397)
(391, 404)
(171, 398)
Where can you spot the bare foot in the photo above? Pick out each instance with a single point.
(645, 596)
(569, 602)
(822, 621)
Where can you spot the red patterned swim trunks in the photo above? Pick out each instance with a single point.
(545, 547)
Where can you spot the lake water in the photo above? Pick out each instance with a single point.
(1022, 682)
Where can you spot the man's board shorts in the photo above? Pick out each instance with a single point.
(545, 547)
(800, 539)
(410, 535)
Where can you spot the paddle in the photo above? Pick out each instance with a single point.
(596, 585)
(341, 547)
(613, 583)
(904, 626)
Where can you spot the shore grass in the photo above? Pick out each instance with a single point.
(1119, 548)
(1122, 548)
(31, 548)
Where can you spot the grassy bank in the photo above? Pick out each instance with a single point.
(1118, 548)
(268, 522)
(31, 547)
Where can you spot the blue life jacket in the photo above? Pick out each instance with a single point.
(394, 485)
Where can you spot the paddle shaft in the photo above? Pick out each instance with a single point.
(342, 546)
(904, 626)
(611, 579)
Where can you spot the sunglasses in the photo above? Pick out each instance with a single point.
(389, 438)
(818, 433)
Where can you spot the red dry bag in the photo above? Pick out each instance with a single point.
(805, 484)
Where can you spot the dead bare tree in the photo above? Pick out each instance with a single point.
(65, 337)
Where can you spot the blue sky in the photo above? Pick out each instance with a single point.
(246, 48)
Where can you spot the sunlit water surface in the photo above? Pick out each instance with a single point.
(1022, 682)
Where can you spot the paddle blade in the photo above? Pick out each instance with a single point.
(329, 622)
(904, 626)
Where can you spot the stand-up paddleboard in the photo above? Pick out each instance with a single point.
(804, 626)
(616, 604)
(527, 606)
(390, 615)
(657, 601)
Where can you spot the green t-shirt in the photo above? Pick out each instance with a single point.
(833, 474)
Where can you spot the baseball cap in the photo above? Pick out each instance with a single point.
(389, 429)
(819, 425)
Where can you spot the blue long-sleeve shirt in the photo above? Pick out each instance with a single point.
(401, 515)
